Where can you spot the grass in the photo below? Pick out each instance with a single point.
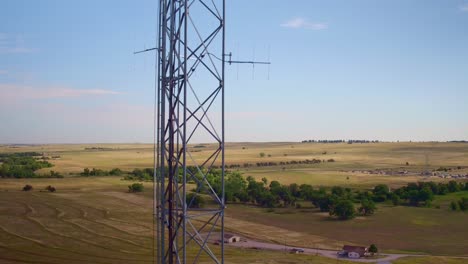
(94, 220)
(420, 156)
(401, 229)
(430, 260)
(90, 221)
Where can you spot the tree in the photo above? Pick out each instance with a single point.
(194, 200)
(367, 207)
(115, 172)
(325, 202)
(262, 154)
(426, 196)
(453, 186)
(235, 187)
(454, 206)
(85, 172)
(344, 210)
(294, 189)
(306, 191)
(338, 191)
(136, 187)
(381, 192)
(396, 200)
(463, 204)
(373, 249)
(413, 197)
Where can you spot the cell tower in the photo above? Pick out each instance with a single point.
(190, 61)
(190, 103)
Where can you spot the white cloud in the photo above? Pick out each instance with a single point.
(12, 92)
(300, 22)
(464, 8)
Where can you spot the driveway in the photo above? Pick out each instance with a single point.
(385, 258)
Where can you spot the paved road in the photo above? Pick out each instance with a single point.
(385, 258)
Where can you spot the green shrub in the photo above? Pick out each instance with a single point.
(115, 172)
(27, 188)
(373, 249)
(454, 206)
(463, 204)
(136, 187)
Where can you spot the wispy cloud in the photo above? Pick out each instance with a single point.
(464, 8)
(13, 44)
(299, 22)
(12, 92)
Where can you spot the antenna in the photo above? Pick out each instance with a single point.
(229, 55)
(145, 50)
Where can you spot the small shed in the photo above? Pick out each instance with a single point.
(355, 252)
(230, 238)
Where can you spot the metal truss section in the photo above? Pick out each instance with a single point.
(190, 107)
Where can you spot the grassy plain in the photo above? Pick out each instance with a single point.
(90, 220)
(358, 157)
(94, 220)
(394, 229)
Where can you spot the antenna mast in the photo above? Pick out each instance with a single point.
(186, 102)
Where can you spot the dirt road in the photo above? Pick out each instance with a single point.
(385, 258)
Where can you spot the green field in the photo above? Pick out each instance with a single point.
(94, 220)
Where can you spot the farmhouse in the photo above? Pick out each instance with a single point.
(230, 238)
(354, 252)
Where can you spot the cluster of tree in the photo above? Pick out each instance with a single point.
(271, 163)
(140, 175)
(460, 205)
(98, 172)
(334, 141)
(49, 188)
(98, 148)
(5, 156)
(344, 203)
(328, 141)
(449, 169)
(22, 165)
(338, 201)
(422, 193)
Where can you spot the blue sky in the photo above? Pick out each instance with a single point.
(387, 70)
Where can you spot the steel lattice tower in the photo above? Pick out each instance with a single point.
(190, 105)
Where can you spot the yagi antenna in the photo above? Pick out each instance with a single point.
(229, 60)
(229, 55)
(145, 50)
